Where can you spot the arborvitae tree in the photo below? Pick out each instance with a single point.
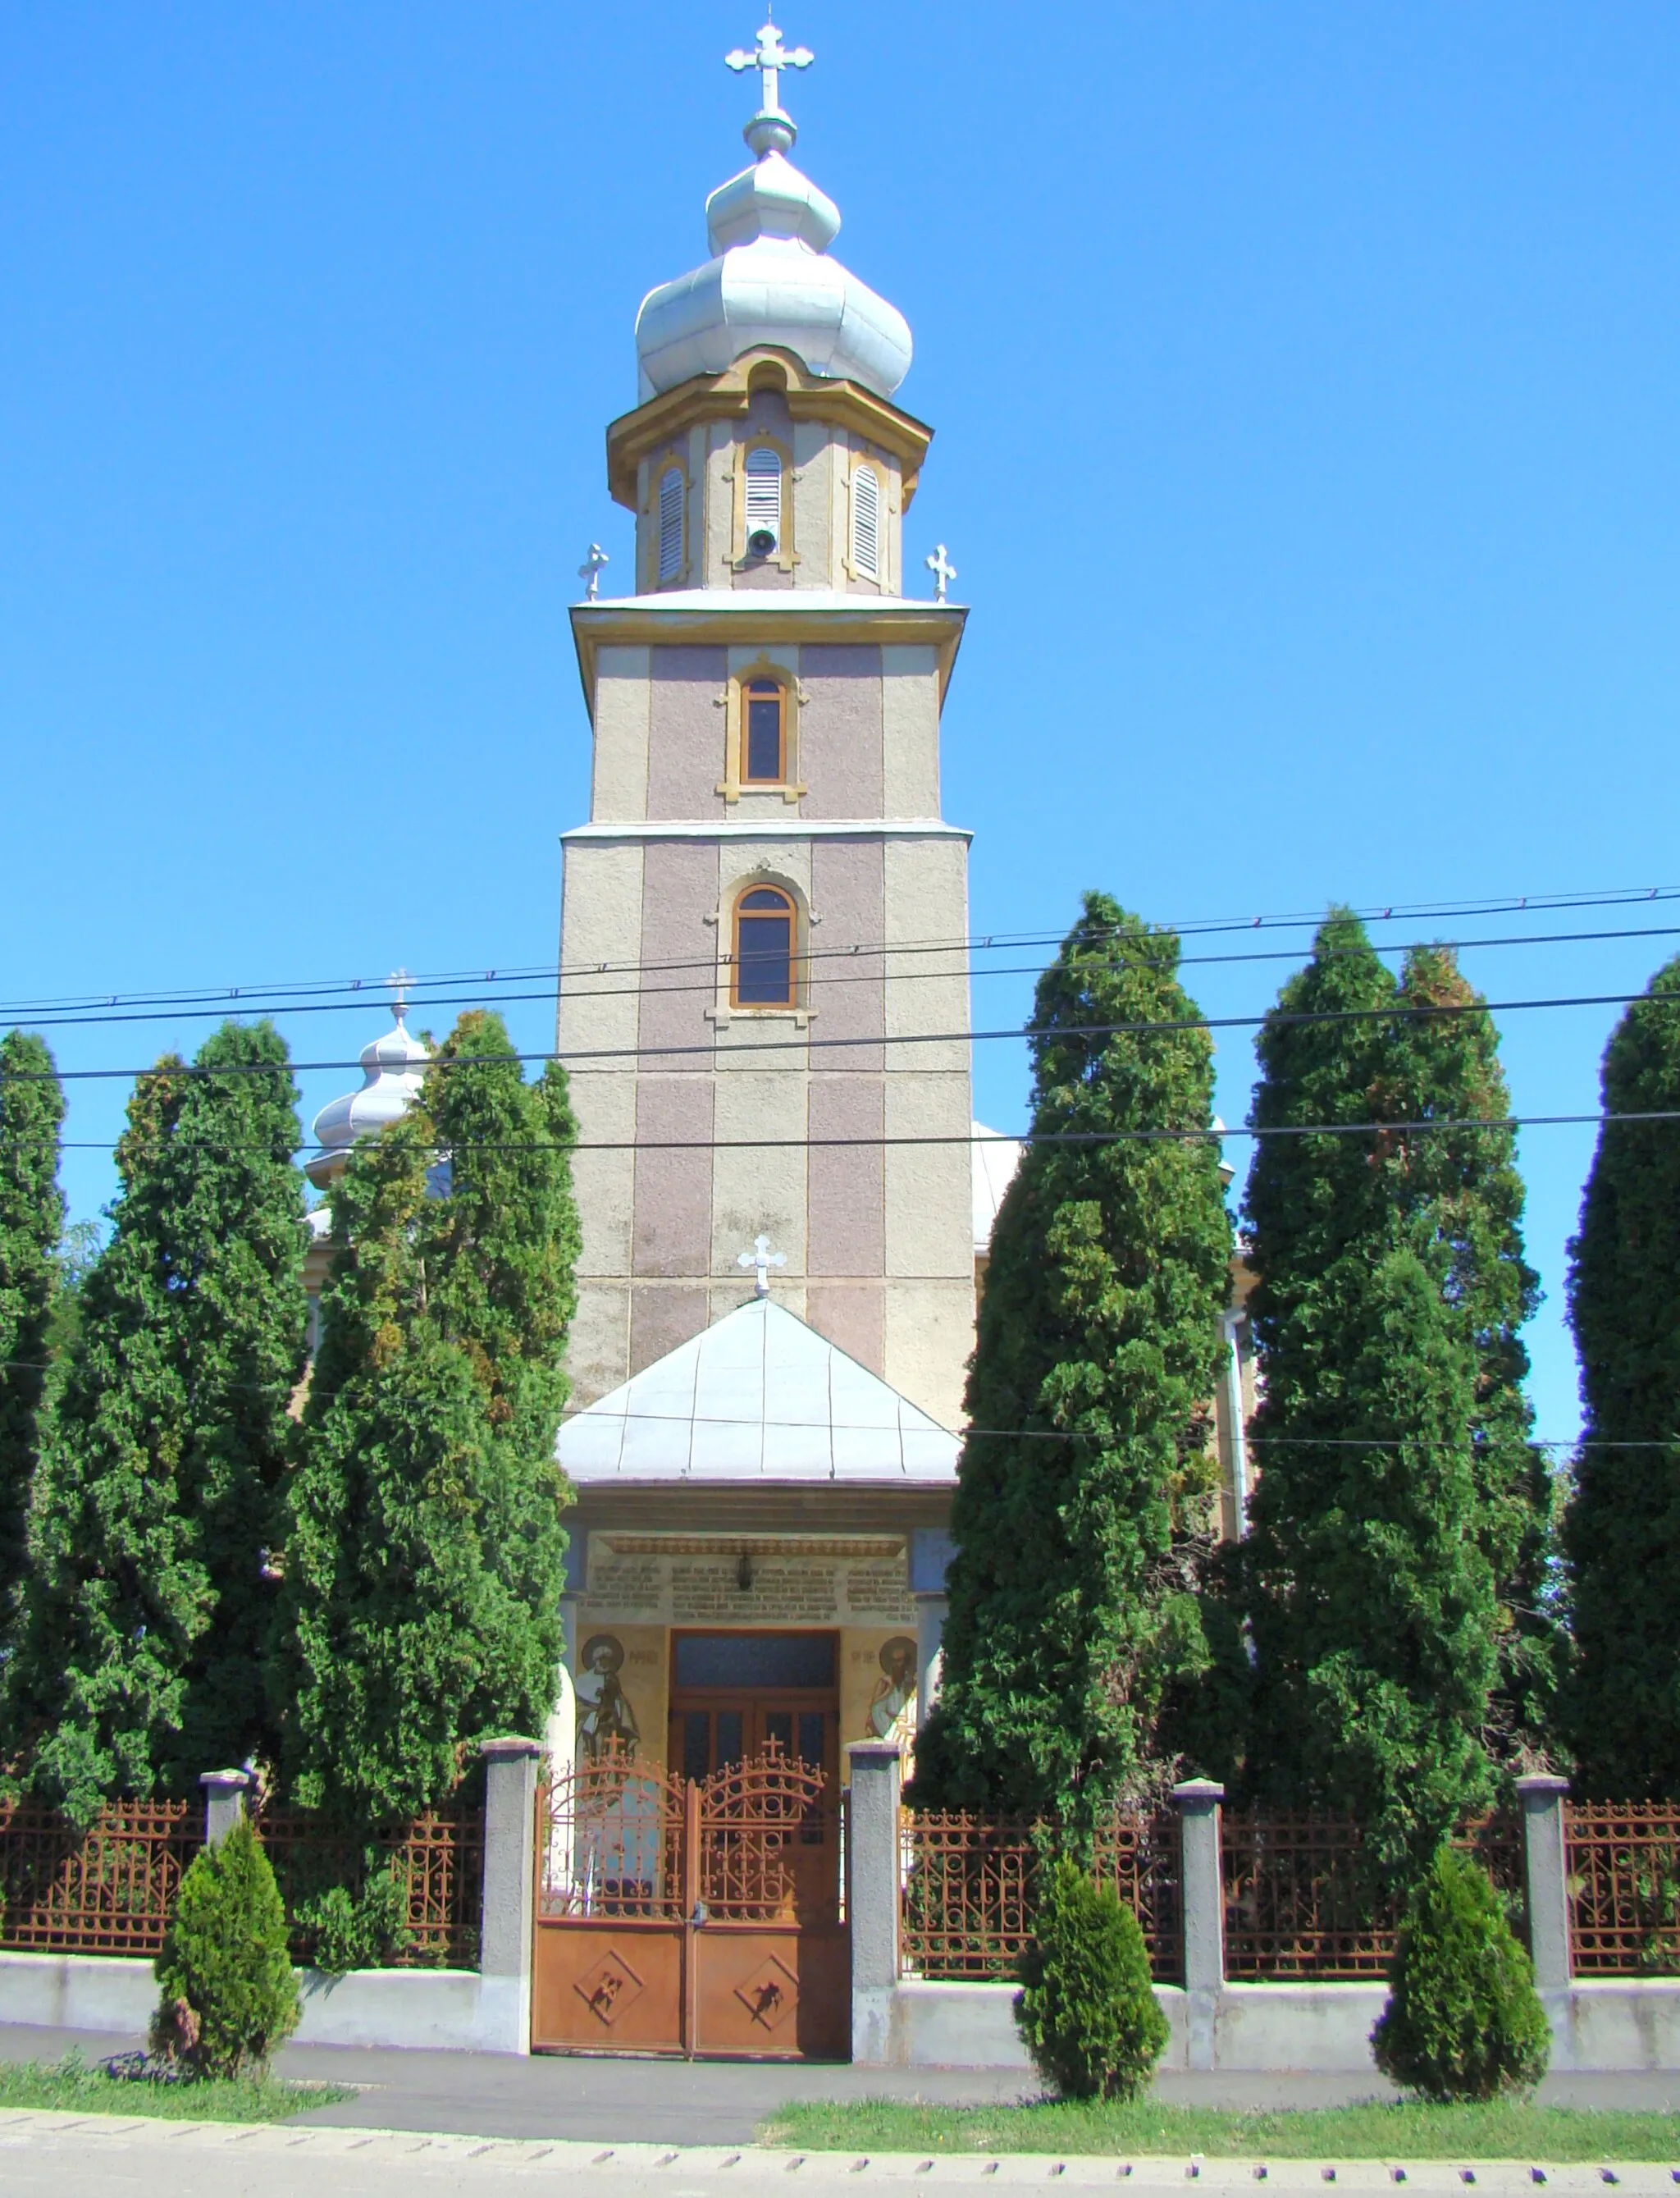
(1372, 1597)
(32, 1219)
(1357, 1238)
(424, 1557)
(1462, 1189)
(141, 1652)
(1084, 1495)
(1622, 1531)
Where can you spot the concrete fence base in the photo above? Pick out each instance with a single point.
(1611, 2026)
(453, 2010)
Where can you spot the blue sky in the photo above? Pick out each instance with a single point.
(1304, 382)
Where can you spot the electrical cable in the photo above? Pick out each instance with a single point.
(1272, 1017)
(1080, 1137)
(1532, 904)
(1002, 1434)
(827, 978)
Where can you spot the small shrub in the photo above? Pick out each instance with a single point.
(1463, 2020)
(361, 1929)
(229, 1997)
(1088, 2013)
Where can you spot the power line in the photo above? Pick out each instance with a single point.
(1165, 1026)
(1255, 1132)
(826, 979)
(1005, 1434)
(252, 994)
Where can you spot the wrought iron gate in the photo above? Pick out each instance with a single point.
(701, 1917)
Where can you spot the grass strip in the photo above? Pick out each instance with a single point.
(72, 2087)
(1381, 2130)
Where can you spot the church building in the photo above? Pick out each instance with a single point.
(763, 1010)
(764, 1006)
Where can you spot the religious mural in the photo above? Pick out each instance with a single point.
(894, 1696)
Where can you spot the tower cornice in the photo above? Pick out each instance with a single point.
(726, 396)
(726, 617)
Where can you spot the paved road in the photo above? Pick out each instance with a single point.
(677, 2102)
(64, 2156)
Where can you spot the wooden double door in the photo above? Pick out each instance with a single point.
(697, 1907)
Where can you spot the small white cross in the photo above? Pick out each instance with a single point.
(399, 981)
(943, 570)
(761, 1259)
(770, 56)
(589, 570)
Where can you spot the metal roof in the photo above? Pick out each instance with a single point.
(758, 1397)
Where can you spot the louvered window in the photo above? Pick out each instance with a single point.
(764, 500)
(671, 487)
(866, 521)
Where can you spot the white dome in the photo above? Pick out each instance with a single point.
(394, 1067)
(770, 280)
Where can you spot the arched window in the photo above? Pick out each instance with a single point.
(671, 493)
(764, 748)
(763, 949)
(866, 521)
(764, 501)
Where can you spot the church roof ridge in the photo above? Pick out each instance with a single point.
(760, 1398)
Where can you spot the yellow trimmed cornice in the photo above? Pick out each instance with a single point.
(771, 617)
(726, 396)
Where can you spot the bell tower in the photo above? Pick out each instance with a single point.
(764, 995)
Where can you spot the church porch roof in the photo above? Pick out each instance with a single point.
(758, 1399)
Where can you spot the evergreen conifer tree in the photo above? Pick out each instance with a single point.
(1462, 1190)
(141, 1651)
(1622, 1530)
(32, 1220)
(1394, 1591)
(424, 1557)
(1084, 1495)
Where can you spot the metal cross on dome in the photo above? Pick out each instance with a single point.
(399, 981)
(770, 57)
(943, 570)
(761, 1259)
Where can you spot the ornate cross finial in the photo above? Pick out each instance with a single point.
(589, 570)
(761, 1259)
(399, 981)
(943, 570)
(770, 129)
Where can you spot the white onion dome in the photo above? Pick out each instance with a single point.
(770, 279)
(393, 1069)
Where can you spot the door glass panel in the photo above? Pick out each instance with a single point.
(697, 1744)
(811, 1738)
(755, 1660)
(729, 1737)
(779, 1730)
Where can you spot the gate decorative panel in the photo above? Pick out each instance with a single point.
(698, 1918)
(773, 1962)
(612, 1893)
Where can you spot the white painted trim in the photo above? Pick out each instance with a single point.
(793, 827)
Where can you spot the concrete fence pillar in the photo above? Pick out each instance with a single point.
(1201, 1892)
(1547, 1878)
(872, 1894)
(224, 1793)
(509, 1893)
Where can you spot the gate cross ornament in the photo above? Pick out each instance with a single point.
(761, 1259)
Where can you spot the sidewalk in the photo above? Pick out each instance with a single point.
(720, 2102)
